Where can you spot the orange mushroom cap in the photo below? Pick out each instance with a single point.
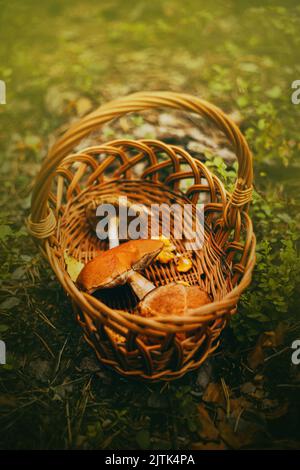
(173, 299)
(112, 267)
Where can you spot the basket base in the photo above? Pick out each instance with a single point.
(158, 364)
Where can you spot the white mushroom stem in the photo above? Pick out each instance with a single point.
(113, 223)
(140, 285)
(113, 232)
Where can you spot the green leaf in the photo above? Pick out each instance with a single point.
(19, 273)
(274, 92)
(10, 303)
(5, 232)
(242, 101)
(3, 328)
(74, 266)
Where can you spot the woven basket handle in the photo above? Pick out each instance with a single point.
(239, 199)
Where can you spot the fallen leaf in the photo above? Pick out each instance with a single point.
(237, 406)
(268, 339)
(259, 393)
(214, 394)
(74, 266)
(258, 378)
(256, 357)
(207, 430)
(246, 434)
(248, 388)
(10, 303)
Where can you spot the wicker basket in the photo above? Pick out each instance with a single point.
(68, 182)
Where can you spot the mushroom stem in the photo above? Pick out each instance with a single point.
(113, 235)
(140, 285)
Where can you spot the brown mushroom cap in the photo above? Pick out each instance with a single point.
(112, 267)
(173, 299)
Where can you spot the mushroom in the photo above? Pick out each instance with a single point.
(121, 264)
(174, 298)
(167, 253)
(183, 264)
(111, 268)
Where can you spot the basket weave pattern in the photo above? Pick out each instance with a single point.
(160, 347)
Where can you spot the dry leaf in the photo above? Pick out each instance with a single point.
(214, 394)
(207, 430)
(238, 405)
(273, 339)
(268, 339)
(74, 266)
(256, 357)
(245, 435)
(248, 388)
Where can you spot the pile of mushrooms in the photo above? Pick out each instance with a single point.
(122, 263)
